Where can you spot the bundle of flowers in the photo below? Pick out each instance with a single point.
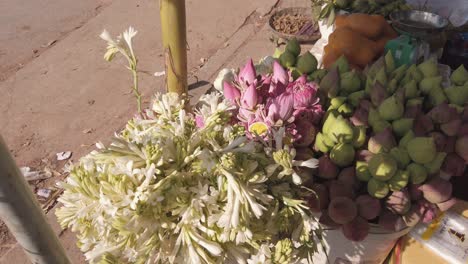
(219, 185)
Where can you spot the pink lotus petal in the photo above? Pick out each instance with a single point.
(280, 75)
(199, 121)
(250, 97)
(248, 74)
(231, 92)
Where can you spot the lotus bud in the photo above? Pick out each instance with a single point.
(444, 206)
(374, 116)
(401, 156)
(461, 147)
(454, 165)
(280, 75)
(411, 89)
(422, 125)
(362, 171)
(451, 128)
(359, 117)
(342, 154)
(326, 168)
(416, 74)
(307, 132)
(435, 165)
(287, 59)
(329, 123)
(293, 46)
(277, 53)
(250, 97)
(317, 75)
(382, 166)
(368, 206)
(392, 86)
(295, 73)
(336, 102)
(320, 144)
(459, 109)
(391, 221)
(413, 108)
(342, 131)
(380, 126)
(437, 96)
(459, 76)
(402, 126)
(378, 93)
(443, 113)
(359, 136)
(357, 230)
(356, 97)
(399, 180)
(346, 110)
(341, 64)
(399, 72)
(350, 82)
(391, 109)
(465, 114)
(389, 62)
(342, 210)
(248, 74)
(429, 68)
(439, 140)
(413, 216)
(339, 189)
(319, 199)
(450, 145)
(381, 77)
(398, 202)
(457, 95)
(307, 63)
(329, 83)
(364, 155)
(421, 149)
(415, 192)
(418, 174)
(327, 221)
(347, 176)
(377, 189)
(400, 96)
(369, 85)
(382, 142)
(426, 85)
(405, 139)
(437, 190)
(230, 92)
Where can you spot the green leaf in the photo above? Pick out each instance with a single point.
(326, 11)
(331, 17)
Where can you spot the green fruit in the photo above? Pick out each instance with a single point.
(359, 136)
(380, 126)
(389, 62)
(421, 149)
(374, 117)
(401, 156)
(399, 72)
(293, 47)
(459, 76)
(329, 123)
(411, 89)
(392, 86)
(346, 110)
(381, 76)
(342, 64)
(434, 165)
(342, 131)
(369, 85)
(342, 154)
(457, 95)
(287, 59)
(391, 109)
(377, 189)
(320, 144)
(356, 97)
(382, 166)
(399, 180)
(362, 171)
(405, 139)
(277, 53)
(350, 81)
(437, 96)
(336, 102)
(418, 173)
(295, 73)
(317, 75)
(428, 83)
(429, 68)
(307, 63)
(329, 85)
(402, 126)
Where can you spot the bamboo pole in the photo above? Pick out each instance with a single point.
(23, 215)
(173, 27)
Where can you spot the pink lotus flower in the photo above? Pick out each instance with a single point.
(199, 121)
(305, 94)
(231, 92)
(281, 108)
(249, 98)
(247, 75)
(280, 75)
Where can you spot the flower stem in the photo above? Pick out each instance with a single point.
(136, 92)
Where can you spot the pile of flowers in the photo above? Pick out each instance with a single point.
(220, 185)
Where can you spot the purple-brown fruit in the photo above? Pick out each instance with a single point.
(391, 221)
(378, 94)
(443, 113)
(463, 131)
(307, 132)
(465, 114)
(422, 125)
(413, 216)
(412, 111)
(451, 128)
(444, 206)
(304, 154)
(319, 200)
(365, 104)
(364, 155)
(356, 230)
(382, 142)
(326, 168)
(461, 147)
(327, 221)
(415, 192)
(398, 202)
(342, 210)
(437, 190)
(439, 140)
(339, 189)
(453, 165)
(347, 176)
(360, 117)
(450, 145)
(368, 206)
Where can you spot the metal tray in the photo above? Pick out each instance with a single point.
(418, 23)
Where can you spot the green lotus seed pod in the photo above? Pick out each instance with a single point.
(457, 95)
(369, 85)
(350, 82)
(391, 109)
(336, 102)
(362, 171)
(389, 62)
(306, 63)
(346, 110)
(399, 180)
(411, 89)
(405, 139)
(359, 136)
(392, 86)
(401, 156)
(342, 64)
(295, 73)
(421, 149)
(355, 98)
(418, 173)
(329, 84)
(374, 116)
(381, 76)
(415, 101)
(317, 75)
(417, 75)
(437, 96)
(342, 154)
(330, 119)
(293, 47)
(459, 76)
(287, 59)
(320, 144)
(428, 83)
(399, 72)
(402, 126)
(382, 166)
(380, 126)
(434, 166)
(429, 68)
(377, 189)
(341, 131)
